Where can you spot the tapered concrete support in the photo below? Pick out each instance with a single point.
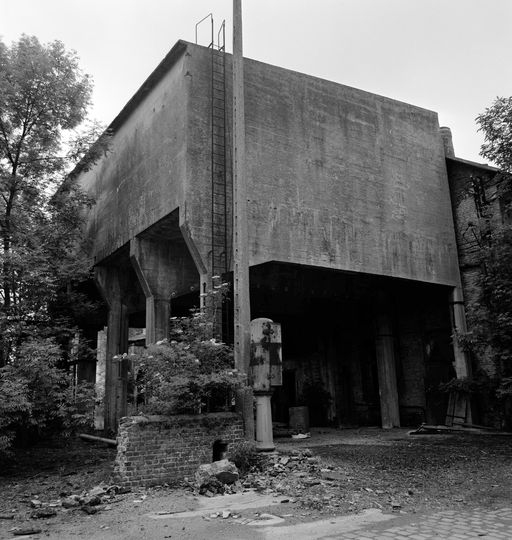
(112, 285)
(459, 409)
(386, 368)
(264, 436)
(164, 269)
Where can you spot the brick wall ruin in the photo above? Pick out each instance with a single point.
(165, 449)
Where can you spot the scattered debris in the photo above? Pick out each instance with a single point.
(90, 509)
(25, 531)
(224, 471)
(42, 513)
(218, 477)
(93, 438)
(426, 429)
(71, 502)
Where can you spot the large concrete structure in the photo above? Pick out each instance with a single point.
(351, 236)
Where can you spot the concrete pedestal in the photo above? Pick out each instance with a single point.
(264, 437)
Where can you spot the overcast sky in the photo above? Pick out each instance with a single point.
(450, 56)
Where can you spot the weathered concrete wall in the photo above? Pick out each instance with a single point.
(141, 179)
(165, 449)
(338, 177)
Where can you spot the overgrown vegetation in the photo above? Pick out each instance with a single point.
(246, 457)
(188, 373)
(44, 98)
(39, 397)
(490, 316)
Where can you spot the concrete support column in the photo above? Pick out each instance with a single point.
(245, 407)
(264, 435)
(99, 387)
(459, 409)
(458, 320)
(158, 273)
(386, 367)
(111, 283)
(158, 313)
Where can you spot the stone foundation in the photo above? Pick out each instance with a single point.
(154, 450)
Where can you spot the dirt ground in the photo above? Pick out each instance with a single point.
(335, 472)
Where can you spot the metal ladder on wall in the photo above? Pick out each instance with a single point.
(220, 245)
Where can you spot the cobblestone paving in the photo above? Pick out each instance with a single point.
(485, 524)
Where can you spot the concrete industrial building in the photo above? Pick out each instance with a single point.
(352, 241)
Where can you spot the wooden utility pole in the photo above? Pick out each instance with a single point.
(242, 308)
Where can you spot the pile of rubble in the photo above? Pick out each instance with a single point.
(96, 499)
(218, 478)
(301, 477)
(298, 476)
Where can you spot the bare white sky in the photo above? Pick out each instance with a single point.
(450, 56)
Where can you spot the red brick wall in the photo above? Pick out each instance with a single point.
(164, 449)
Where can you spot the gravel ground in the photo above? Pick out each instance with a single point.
(333, 473)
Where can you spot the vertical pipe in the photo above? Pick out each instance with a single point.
(241, 298)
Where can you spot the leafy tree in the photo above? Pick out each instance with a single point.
(44, 134)
(43, 103)
(496, 124)
(490, 315)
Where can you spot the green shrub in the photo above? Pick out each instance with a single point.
(39, 399)
(245, 456)
(187, 374)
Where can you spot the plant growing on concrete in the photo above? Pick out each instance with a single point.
(188, 373)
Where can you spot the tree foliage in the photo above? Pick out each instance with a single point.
(496, 124)
(44, 134)
(38, 397)
(189, 373)
(43, 103)
(490, 315)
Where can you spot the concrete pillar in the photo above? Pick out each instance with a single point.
(458, 320)
(386, 368)
(245, 407)
(164, 270)
(446, 135)
(241, 293)
(459, 409)
(99, 388)
(264, 435)
(158, 314)
(111, 282)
